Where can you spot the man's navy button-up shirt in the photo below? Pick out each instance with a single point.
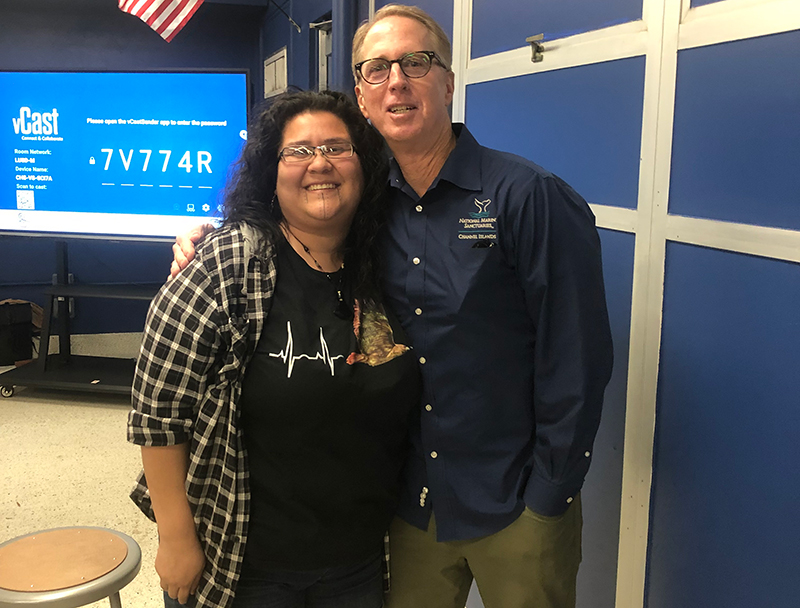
(496, 275)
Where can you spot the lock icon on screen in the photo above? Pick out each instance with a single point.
(91, 160)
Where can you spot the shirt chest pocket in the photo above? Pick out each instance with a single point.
(470, 266)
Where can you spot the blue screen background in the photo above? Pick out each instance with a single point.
(71, 177)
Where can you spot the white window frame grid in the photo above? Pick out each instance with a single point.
(275, 73)
(666, 27)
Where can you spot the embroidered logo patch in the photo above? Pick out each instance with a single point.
(480, 226)
(481, 205)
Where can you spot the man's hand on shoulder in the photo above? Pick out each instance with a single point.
(183, 249)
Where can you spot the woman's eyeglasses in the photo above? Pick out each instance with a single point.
(304, 154)
(413, 65)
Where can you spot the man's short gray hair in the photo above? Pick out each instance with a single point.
(441, 42)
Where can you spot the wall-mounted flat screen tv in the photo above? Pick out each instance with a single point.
(119, 154)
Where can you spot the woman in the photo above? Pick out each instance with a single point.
(272, 395)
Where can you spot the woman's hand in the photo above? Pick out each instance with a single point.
(179, 564)
(183, 249)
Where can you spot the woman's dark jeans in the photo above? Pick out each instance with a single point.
(355, 586)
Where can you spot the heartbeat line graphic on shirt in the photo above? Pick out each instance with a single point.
(289, 358)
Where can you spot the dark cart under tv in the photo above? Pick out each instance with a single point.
(64, 370)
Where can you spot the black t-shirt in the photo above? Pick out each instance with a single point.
(325, 431)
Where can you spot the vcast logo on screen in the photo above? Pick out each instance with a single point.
(36, 123)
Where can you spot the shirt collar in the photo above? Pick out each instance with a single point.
(462, 168)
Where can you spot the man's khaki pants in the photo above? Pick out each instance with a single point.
(532, 563)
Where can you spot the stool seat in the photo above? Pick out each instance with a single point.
(67, 567)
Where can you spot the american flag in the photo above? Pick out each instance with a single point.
(166, 17)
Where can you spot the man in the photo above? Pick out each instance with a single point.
(493, 267)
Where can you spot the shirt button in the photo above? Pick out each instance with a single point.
(587, 454)
(418, 208)
(428, 407)
(415, 260)
(418, 311)
(424, 490)
(569, 500)
(422, 360)
(434, 455)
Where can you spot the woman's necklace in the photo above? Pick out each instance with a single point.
(342, 310)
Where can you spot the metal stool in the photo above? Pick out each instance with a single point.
(67, 567)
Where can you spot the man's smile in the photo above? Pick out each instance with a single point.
(401, 109)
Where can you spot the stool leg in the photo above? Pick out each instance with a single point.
(115, 601)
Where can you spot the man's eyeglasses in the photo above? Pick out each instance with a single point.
(413, 65)
(304, 154)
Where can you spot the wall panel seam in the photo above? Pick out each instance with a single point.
(703, 25)
(462, 41)
(735, 20)
(762, 241)
(620, 219)
(617, 42)
(647, 298)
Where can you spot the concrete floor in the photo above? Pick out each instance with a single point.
(66, 462)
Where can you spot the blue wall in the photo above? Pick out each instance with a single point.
(583, 124)
(736, 114)
(518, 20)
(724, 526)
(94, 34)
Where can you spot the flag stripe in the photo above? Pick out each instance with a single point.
(139, 6)
(169, 15)
(187, 14)
(161, 7)
(142, 6)
(166, 17)
(127, 5)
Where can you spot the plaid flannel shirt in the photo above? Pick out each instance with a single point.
(201, 331)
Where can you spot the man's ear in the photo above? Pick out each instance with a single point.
(450, 87)
(361, 104)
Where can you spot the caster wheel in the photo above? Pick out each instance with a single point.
(7, 391)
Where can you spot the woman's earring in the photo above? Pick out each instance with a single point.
(272, 203)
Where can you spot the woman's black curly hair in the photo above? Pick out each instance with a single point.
(250, 194)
